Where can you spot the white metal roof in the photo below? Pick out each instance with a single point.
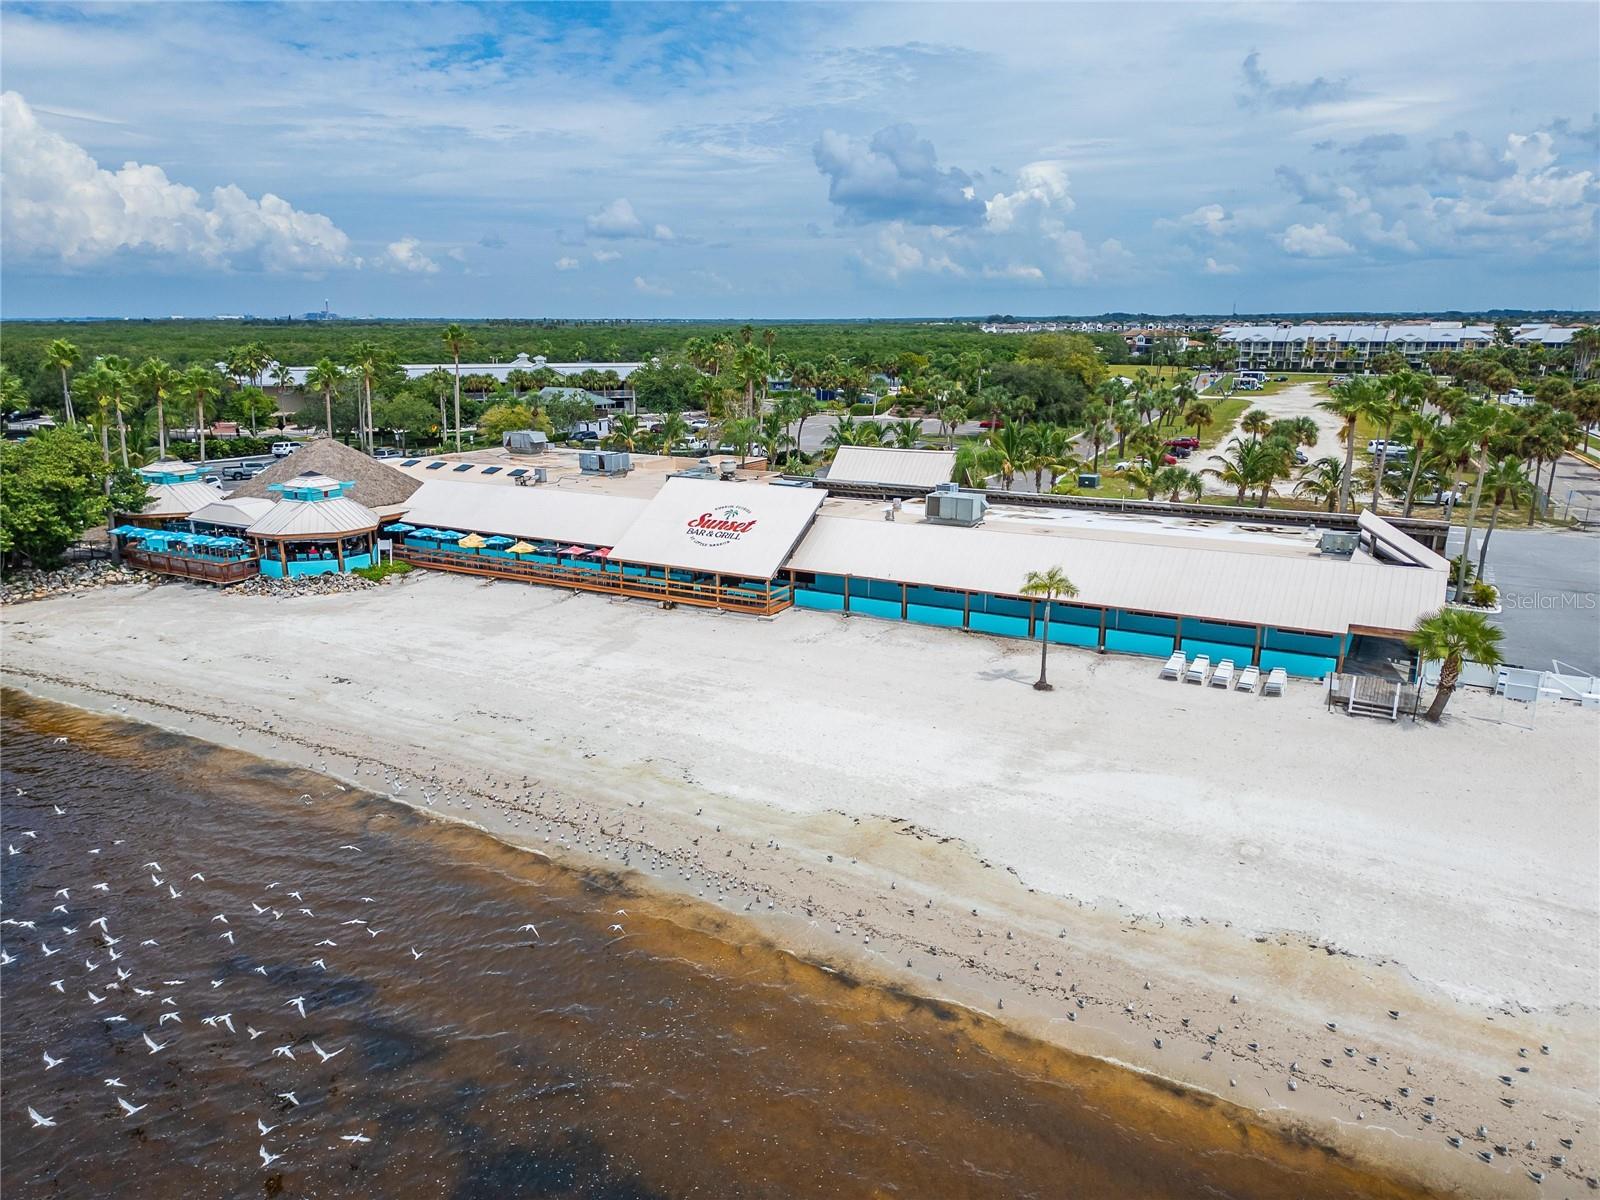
(179, 499)
(535, 513)
(236, 511)
(497, 369)
(314, 518)
(873, 464)
(1307, 592)
(733, 528)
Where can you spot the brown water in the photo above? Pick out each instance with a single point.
(676, 1057)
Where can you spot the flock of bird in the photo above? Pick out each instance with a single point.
(103, 972)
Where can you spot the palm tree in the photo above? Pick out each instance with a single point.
(1199, 414)
(1180, 484)
(1585, 349)
(1419, 430)
(1049, 584)
(1506, 480)
(1244, 465)
(1124, 419)
(1010, 446)
(325, 377)
(906, 433)
(1256, 422)
(624, 433)
(751, 366)
(1049, 448)
(98, 383)
(1451, 636)
(774, 434)
(674, 429)
(455, 341)
(199, 384)
(1352, 399)
(118, 375)
(63, 356)
(1469, 437)
(741, 435)
(157, 379)
(369, 362)
(1323, 481)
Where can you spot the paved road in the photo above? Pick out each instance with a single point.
(1550, 590)
(1577, 490)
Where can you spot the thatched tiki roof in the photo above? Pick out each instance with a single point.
(377, 485)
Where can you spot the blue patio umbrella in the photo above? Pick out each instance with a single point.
(448, 535)
(496, 540)
(399, 527)
(131, 531)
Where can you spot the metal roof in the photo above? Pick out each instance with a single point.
(542, 513)
(179, 499)
(873, 464)
(1305, 592)
(1446, 331)
(712, 525)
(314, 518)
(237, 512)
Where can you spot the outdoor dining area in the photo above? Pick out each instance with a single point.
(205, 557)
(580, 567)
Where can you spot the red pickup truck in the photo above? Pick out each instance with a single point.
(1185, 443)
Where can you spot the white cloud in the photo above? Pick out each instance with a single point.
(605, 256)
(1041, 185)
(1208, 218)
(406, 257)
(1015, 271)
(619, 220)
(1213, 267)
(893, 254)
(60, 206)
(1313, 241)
(648, 288)
(566, 263)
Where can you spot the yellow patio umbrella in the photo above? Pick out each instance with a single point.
(520, 548)
(472, 542)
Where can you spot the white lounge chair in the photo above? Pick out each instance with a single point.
(1277, 682)
(1176, 666)
(1222, 677)
(1199, 669)
(1247, 679)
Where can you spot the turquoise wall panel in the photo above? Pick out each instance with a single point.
(932, 598)
(1141, 623)
(1306, 666)
(1217, 651)
(1214, 631)
(824, 601)
(983, 622)
(929, 614)
(1316, 645)
(1068, 634)
(867, 607)
(1122, 641)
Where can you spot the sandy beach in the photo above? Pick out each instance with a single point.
(1195, 883)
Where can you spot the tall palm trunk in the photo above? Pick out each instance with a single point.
(457, 357)
(1472, 518)
(1494, 518)
(327, 410)
(1349, 464)
(161, 428)
(200, 424)
(122, 436)
(1533, 499)
(444, 422)
(1449, 673)
(1411, 483)
(66, 397)
(1043, 684)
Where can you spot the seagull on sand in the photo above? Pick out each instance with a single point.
(39, 1121)
(284, 1051)
(299, 1004)
(155, 1047)
(130, 1109)
(253, 1032)
(45, 946)
(268, 1159)
(289, 1096)
(529, 928)
(50, 1064)
(325, 1055)
(59, 985)
(616, 929)
(264, 1127)
(415, 953)
(96, 999)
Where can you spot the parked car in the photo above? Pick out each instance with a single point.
(1179, 451)
(386, 452)
(1185, 443)
(284, 449)
(247, 470)
(1300, 458)
(1395, 450)
(992, 423)
(213, 479)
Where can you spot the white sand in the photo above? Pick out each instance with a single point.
(1296, 400)
(1210, 844)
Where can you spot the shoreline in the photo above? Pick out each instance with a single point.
(700, 828)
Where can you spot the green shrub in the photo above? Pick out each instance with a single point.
(1455, 570)
(1483, 595)
(381, 571)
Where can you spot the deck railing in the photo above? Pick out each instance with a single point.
(207, 570)
(611, 579)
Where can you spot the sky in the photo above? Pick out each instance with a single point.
(797, 161)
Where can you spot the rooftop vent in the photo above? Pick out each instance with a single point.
(1338, 545)
(604, 462)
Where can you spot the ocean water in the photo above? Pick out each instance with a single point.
(628, 1046)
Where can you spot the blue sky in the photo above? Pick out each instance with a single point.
(797, 161)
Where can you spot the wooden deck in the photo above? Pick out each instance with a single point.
(204, 570)
(612, 581)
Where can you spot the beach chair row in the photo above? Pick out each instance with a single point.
(1226, 675)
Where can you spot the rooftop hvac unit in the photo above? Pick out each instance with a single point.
(540, 475)
(604, 462)
(1340, 545)
(525, 441)
(946, 487)
(955, 507)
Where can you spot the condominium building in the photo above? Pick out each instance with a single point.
(1347, 347)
